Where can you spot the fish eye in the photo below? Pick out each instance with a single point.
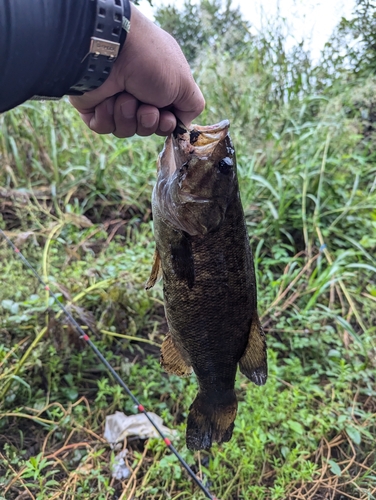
(225, 165)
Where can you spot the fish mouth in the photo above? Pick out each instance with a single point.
(203, 138)
(183, 144)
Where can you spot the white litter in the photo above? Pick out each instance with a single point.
(118, 467)
(118, 426)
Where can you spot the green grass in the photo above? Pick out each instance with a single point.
(78, 205)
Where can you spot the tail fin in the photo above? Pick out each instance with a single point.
(211, 419)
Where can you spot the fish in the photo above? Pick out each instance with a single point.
(204, 256)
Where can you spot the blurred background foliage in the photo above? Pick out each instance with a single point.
(205, 25)
(78, 205)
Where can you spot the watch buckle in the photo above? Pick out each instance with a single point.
(101, 47)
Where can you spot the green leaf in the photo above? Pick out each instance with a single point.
(15, 308)
(285, 451)
(265, 183)
(21, 381)
(334, 353)
(51, 482)
(295, 426)
(353, 434)
(335, 468)
(362, 266)
(341, 419)
(28, 473)
(7, 304)
(71, 393)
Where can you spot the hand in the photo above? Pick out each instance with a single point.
(149, 85)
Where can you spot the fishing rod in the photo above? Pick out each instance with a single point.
(119, 380)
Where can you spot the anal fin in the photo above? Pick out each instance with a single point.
(172, 360)
(253, 363)
(156, 271)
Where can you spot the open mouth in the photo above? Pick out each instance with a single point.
(202, 138)
(205, 138)
(199, 141)
(203, 135)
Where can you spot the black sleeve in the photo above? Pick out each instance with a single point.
(42, 45)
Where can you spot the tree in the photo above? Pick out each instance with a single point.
(209, 23)
(353, 45)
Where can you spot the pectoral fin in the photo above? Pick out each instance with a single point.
(156, 271)
(172, 360)
(253, 363)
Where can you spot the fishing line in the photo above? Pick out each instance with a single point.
(119, 380)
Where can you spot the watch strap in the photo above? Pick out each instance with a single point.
(105, 43)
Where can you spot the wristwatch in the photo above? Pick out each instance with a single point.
(112, 23)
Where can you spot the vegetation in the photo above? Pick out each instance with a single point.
(78, 206)
(357, 39)
(204, 25)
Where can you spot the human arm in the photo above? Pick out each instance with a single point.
(150, 75)
(43, 43)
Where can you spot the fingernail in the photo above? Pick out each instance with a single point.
(148, 120)
(128, 109)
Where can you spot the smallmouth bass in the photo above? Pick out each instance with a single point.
(205, 259)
